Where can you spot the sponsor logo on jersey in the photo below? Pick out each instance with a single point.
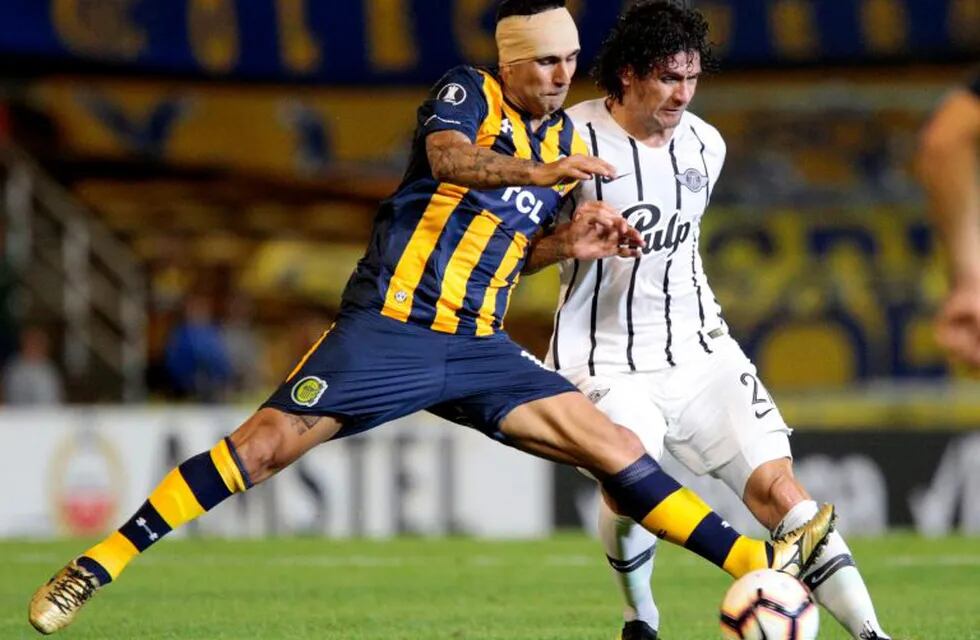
(644, 217)
(307, 391)
(452, 93)
(693, 179)
(506, 126)
(525, 201)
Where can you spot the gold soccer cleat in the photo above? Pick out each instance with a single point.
(793, 552)
(55, 604)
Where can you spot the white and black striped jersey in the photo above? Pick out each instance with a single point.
(655, 311)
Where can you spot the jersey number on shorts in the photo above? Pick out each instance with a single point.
(757, 399)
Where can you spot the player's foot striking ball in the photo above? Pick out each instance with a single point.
(794, 552)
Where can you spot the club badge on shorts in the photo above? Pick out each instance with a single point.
(308, 390)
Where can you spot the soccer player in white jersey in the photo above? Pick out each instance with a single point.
(644, 337)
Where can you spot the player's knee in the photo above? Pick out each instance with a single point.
(259, 444)
(619, 448)
(629, 443)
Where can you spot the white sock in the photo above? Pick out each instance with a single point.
(835, 580)
(630, 549)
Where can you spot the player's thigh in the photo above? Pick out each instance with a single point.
(625, 400)
(495, 386)
(367, 370)
(569, 428)
(729, 417)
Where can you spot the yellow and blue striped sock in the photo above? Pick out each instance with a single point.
(646, 493)
(194, 487)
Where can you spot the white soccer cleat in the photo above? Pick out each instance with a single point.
(795, 551)
(56, 603)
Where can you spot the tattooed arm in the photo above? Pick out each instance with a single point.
(595, 231)
(455, 159)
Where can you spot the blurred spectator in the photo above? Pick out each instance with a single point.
(31, 378)
(948, 165)
(245, 349)
(196, 356)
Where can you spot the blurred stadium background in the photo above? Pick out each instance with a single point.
(185, 186)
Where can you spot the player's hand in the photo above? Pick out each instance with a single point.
(597, 230)
(570, 169)
(958, 323)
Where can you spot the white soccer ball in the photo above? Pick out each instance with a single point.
(768, 605)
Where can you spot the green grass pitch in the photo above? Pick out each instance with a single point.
(416, 589)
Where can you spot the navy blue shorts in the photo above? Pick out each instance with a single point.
(370, 369)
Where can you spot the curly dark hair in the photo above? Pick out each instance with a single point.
(509, 8)
(648, 34)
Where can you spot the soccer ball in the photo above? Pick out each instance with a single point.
(768, 605)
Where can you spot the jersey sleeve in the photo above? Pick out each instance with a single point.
(455, 103)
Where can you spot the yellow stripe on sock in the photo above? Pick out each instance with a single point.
(174, 500)
(113, 553)
(227, 468)
(747, 554)
(677, 516)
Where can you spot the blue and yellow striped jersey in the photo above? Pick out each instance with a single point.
(447, 257)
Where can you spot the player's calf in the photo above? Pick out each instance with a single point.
(777, 499)
(650, 496)
(568, 428)
(196, 486)
(771, 491)
(267, 442)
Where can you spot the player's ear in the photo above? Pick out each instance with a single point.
(627, 76)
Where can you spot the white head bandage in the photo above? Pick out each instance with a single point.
(549, 33)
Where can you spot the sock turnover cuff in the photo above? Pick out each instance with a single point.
(229, 466)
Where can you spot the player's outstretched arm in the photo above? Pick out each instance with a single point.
(454, 158)
(947, 164)
(596, 230)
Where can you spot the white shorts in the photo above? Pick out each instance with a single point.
(713, 415)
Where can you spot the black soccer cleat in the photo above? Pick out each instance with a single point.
(638, 630)
(870, 634)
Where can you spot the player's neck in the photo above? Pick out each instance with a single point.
(639, 125)
(533, 120)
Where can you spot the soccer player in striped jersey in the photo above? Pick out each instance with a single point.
(644, 337)
(948, 167)
(420, 326)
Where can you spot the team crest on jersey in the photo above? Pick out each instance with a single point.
(307, 392)
(693, 179)
(452, 93)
